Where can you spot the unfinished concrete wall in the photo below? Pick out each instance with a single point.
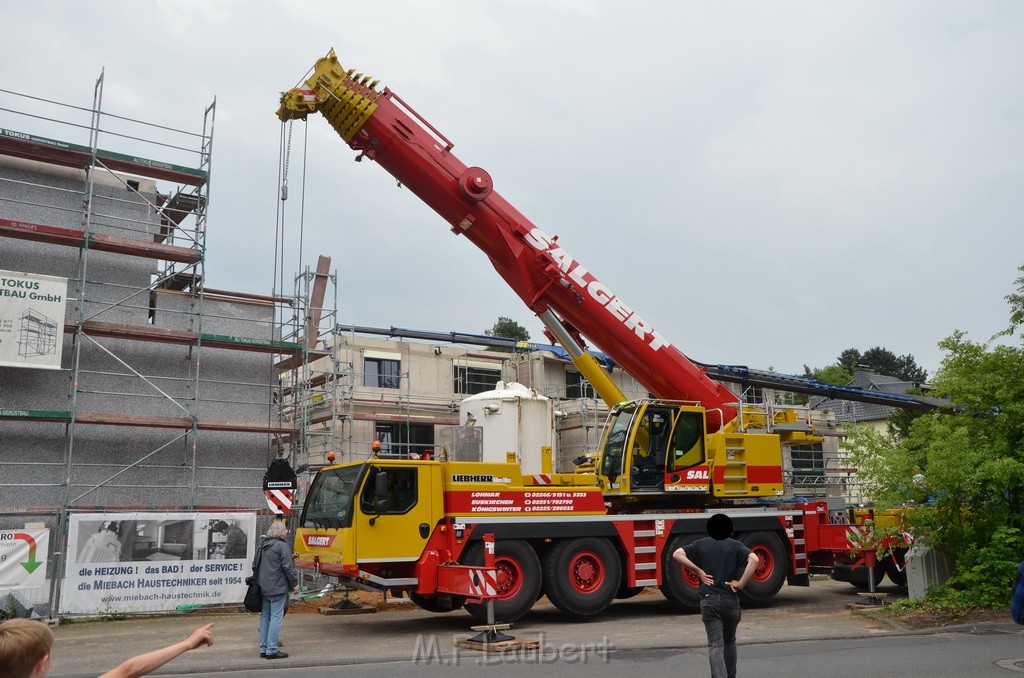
(122, 465)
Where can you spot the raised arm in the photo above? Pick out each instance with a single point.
(145, 663)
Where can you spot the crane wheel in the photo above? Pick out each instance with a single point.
(861, 577)
(771, 572)
(519, 579)
(679, 585)
(627, 592)
(440, 604)
(896, 575)
(582, 575)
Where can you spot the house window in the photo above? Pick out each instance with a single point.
(399, 439)
(578, 387)
(469, 379)
(381, 372)
(753, 395)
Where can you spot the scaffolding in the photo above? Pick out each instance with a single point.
(309, 383)
(162, 399)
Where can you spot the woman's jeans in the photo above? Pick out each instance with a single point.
(270, 622)
(721, 615)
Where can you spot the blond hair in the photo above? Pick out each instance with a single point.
(23, 642)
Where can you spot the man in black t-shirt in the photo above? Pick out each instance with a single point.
(724, 566)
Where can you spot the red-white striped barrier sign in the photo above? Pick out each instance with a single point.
(279, 501)
(279, 485)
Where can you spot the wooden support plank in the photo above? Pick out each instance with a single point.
(158, 421)
(500, 646)
(147, 420)
(316, 300)
(98, 241)
(181, 337)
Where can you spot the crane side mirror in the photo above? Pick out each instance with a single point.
(380, 492)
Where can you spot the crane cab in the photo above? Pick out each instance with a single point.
(658, 448)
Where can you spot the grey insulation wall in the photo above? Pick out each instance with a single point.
(42, 464)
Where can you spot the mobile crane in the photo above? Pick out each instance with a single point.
(581, 539)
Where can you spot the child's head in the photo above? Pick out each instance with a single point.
(24, 648)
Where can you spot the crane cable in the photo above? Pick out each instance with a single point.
(284, 166)
(284, 156)
(277, 282)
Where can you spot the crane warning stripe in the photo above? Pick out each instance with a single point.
(279, 501)
(482, 583)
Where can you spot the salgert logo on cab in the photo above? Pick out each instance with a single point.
(697, 474)
(319, 540)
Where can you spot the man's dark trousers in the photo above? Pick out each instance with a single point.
(720, 613)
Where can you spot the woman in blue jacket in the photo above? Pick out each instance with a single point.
(277, 578)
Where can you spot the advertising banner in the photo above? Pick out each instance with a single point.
(23, 558)
(32, 320)
(151, 562)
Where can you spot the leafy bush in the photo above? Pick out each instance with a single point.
(987, 582)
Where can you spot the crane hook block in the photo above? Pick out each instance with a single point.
(476, 184)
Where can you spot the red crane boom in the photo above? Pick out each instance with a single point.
(383, 128)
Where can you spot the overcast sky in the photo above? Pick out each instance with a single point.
(767, 183)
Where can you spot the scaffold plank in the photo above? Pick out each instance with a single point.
(183, 337)
(145, 420)
(97, 241)
(42, 149)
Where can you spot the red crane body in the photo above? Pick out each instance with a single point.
(531, 262)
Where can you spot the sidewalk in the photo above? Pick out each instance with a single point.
(408, 633)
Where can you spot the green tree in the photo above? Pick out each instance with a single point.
(883, 361)
(830, 374)
(508, 329)
(1016, 301)
(963, 472)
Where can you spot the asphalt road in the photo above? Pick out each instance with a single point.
(945, 655)
(803, 630)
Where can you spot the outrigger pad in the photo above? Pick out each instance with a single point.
(346, 606)
(491, 634)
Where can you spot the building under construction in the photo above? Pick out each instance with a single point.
(146, 390)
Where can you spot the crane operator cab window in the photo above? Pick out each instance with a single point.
(687, 441)
(330, 499)
(400, 494)
(616, 437)
(650, 442)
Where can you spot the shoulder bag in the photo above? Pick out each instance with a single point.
(253, 600)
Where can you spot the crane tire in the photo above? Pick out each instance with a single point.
(519, 579)
(896, 575)
(627, 592)
(771, 572)
(861, 581)
(439, 604)
(679, 585)
(582, 575)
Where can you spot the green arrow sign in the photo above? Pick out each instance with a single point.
(31, 564)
